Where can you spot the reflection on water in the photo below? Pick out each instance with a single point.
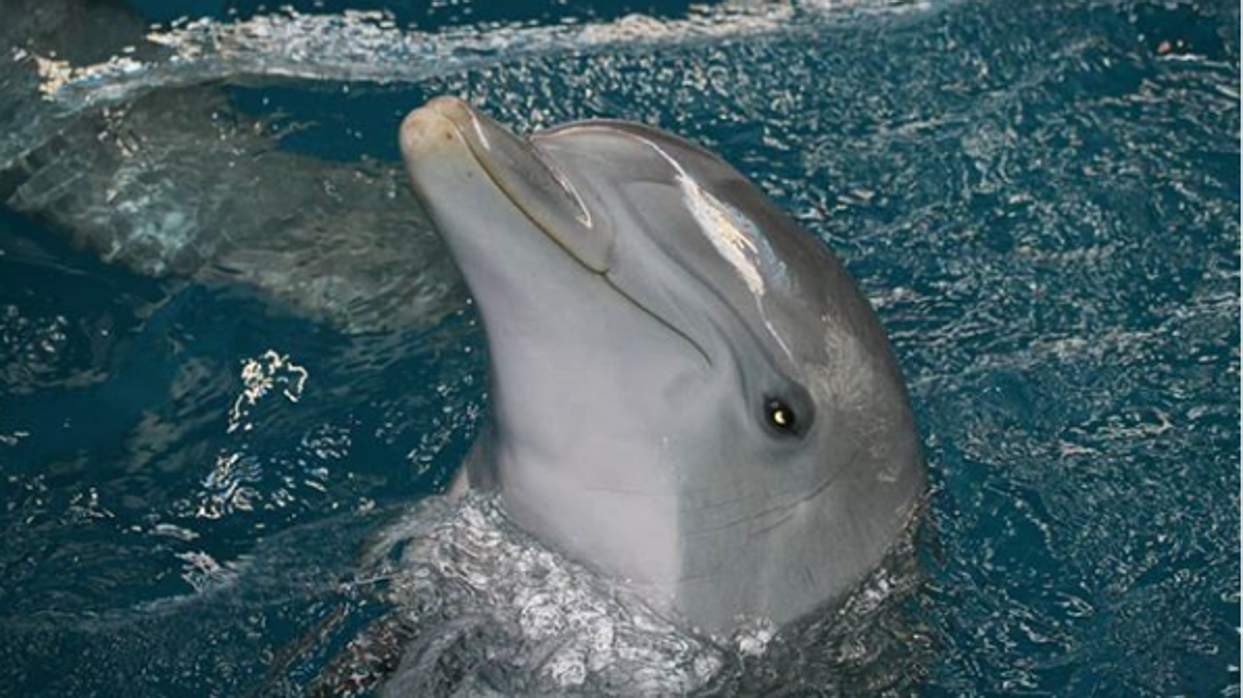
(1041, 200)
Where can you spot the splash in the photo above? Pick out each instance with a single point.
(262, 376)
(368, 46)
(478, 607)
(472, 591)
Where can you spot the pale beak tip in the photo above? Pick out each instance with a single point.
(435, 124)
(452, 108)
(424, 130)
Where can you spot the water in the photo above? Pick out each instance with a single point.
(207, 452)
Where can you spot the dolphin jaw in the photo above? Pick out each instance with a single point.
(519, 170)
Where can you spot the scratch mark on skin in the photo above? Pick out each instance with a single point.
(787, 508)
(772, 526)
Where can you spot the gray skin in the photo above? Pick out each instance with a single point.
(688, 391)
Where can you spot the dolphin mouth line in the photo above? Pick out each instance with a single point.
(482, 161)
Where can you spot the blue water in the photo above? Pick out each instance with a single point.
(1041, 200)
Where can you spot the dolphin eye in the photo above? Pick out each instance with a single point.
(781, 416)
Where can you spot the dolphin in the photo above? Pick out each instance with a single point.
(689, 393)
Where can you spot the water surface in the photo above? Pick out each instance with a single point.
(1041, 200)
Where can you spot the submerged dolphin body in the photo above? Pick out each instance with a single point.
(181, 184)
(688, 391)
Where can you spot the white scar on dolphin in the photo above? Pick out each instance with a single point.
(689, 393)
(733, 235)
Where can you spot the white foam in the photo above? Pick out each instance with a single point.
(368, 46)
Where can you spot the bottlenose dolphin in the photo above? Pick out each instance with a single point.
(688, 391)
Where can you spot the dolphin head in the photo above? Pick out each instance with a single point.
(688, 391)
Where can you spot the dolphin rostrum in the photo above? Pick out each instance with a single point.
(689, 392)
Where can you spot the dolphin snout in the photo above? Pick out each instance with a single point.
(434, 126)
(517, 167)
(451, 107)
